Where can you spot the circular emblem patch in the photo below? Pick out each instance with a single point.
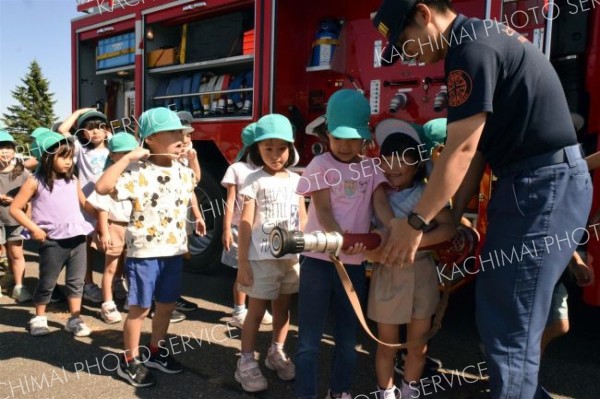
(459, 88)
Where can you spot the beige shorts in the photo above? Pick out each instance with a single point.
(397, 295)
(117, 238)
(273, 277)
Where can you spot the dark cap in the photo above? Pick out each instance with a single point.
(390, 21)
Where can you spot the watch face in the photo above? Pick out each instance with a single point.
(416, 222)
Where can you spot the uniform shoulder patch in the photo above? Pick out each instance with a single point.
(460, 86)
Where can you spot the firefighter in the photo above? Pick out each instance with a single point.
(507, 108)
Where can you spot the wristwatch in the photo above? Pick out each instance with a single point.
(417, 222)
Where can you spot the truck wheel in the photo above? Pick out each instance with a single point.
(205, 252)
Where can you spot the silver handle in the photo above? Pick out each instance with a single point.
(193, 6)
(104, 30)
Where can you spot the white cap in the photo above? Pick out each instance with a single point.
(390, 126)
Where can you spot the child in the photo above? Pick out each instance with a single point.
(233, 181)
(57, 222)
(343, 201)
(113, 217)
(189, 157)
(406, 295)
(90, 157)
(12, 177)
(270, 200)
(160, 190)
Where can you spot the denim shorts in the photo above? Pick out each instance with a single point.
(154, 278)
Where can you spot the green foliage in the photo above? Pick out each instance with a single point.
(34, 108)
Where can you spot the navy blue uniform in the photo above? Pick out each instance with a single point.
(540, 203)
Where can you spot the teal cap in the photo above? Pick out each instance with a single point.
(434, 133)
(122, 142)
(44, 142)
(37, 131)
(90, 115)
(348, 114)
(247, 139)
(6, 136)
(274, 126)
(158, 120)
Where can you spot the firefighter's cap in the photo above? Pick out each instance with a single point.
(156, 120)
(90, 115)
(390, 21)
(247, 139)
(348, 114)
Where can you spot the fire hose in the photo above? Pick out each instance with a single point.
(455, 250)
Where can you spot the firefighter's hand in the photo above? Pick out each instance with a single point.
(227, 239)
(245, 276)
(402, 244)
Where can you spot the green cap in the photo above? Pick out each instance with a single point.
(274, 126)
(6, 136)
(122, 142)
(44, 142)
(158, 120)
(90, 115)
(37, 131)
(247, 139)
(348, 114)
(434, 133)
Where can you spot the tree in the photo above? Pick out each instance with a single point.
(35, 106)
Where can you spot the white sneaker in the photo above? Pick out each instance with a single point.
(92, 292)
(109, 313)
(77, 326)
(267, 319)
(38, 326)
(20, 294)
(278, 361)
(237, 320)
(249, 375)
(391, 393)
(119, 288)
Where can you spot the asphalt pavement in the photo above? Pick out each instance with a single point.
(62, 367)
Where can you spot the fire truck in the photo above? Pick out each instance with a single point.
(228, 62)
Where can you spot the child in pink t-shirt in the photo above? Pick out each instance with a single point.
(344, 190)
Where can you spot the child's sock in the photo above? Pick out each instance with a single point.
(247, 357)
(237, 309)
(276, 346)
(153, 349)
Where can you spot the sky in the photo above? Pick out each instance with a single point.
(40, 30)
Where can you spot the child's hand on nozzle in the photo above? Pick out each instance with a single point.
(355, 249)
(374, 255)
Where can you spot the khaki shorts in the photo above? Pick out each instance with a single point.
(117, 238)
(273, 277)
(397, 295)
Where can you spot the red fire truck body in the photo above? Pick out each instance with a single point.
(131, 55)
